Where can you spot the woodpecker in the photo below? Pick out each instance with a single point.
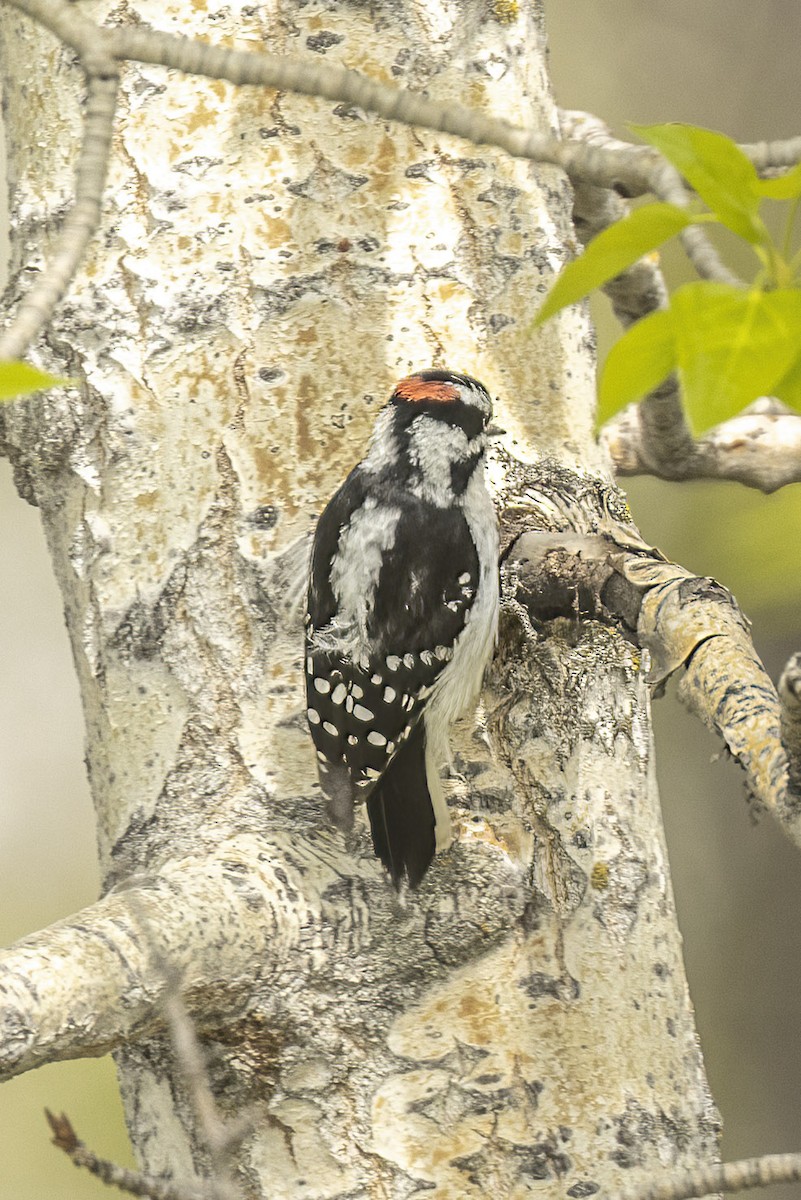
(403, 614)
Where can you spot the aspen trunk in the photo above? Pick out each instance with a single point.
(268, 266)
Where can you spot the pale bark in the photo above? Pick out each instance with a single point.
(268, 266)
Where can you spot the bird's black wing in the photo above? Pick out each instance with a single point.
(365, 715)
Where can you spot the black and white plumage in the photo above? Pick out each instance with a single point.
(402, 614)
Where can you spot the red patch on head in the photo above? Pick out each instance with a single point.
(436, 391)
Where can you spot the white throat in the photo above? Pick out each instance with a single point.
(434, 447)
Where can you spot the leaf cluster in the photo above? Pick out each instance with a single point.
(728, 344)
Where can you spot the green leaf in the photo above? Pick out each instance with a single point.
(20, 379)
(612, 251)
(717, 169)
(788, 388)
(637, 363)
(732, 346)
(783, 187)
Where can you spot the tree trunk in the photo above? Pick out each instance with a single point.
(268, 266)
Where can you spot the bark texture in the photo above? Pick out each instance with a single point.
(269, 266)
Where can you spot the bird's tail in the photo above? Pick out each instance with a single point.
(402, 815)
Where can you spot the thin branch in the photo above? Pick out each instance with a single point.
(221, 1137)
(135, 1183)
(736, 1176)
(343, 85)
(766, 156)
(771, 156)
(661, 178)
(80, 225)
(632, 173)
(664, 434)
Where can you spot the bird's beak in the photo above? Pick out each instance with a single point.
(494, 431)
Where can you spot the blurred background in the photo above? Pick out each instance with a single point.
(731, 65)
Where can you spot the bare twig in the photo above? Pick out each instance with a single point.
(135, 1183)
(661, 178)
(771, 156)
(222, 1138)
(766, 156)
(632, 172)
(736, 1176)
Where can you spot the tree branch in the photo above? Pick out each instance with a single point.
(86, 984)
(661, 178)
(631, 171)
(766, 156)
(696, 623)
(683, 621)
(135, 1183)
(760, 447)
(664, 434)
(221, 1137)
(772, 156)
(736, 1176)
